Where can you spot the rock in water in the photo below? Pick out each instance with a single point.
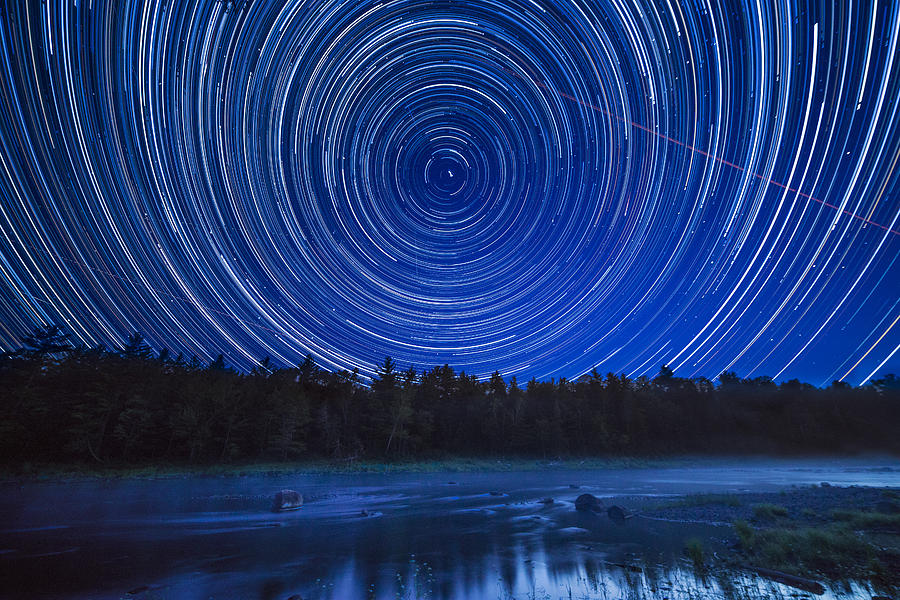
(617, 513)
(588, 502)
(287, 500)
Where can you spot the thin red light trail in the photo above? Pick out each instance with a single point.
(708, 155)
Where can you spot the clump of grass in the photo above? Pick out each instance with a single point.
(858, 519)
(835, 551)
(704, 500)
(830, 550)
(769, 512)
(745, 533)
(694, 550)
(808, 512)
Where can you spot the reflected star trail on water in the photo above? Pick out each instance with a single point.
(535, 187)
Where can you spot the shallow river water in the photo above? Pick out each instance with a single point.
(444, 535)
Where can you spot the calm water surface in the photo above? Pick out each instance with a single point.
(456, 535)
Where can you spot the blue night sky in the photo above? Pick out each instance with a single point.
(538, 187)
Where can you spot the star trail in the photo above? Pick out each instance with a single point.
(536, 187)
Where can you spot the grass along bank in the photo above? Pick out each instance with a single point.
(832, 533)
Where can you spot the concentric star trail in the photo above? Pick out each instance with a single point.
(729, 163)
(536, 187)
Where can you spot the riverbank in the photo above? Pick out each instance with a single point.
(37, 471)
(65, 472)
(823, 531)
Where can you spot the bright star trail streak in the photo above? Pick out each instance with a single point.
(536, 187)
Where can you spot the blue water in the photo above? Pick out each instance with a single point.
(421, 536)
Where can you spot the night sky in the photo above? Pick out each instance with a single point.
(536, 187)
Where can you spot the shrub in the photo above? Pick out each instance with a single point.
(694, 550)
(745, 533)
(766, 511)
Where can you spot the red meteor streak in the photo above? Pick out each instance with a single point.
(708, 155)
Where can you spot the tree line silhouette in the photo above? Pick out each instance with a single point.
(65, 403)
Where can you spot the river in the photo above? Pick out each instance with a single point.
(435, 535)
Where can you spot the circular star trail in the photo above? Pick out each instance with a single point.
(535, 187)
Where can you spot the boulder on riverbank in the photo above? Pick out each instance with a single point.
(589, 503)
(618, 513)
(287, 500)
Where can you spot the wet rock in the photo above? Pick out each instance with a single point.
(364, 513)
(573, 486)
(547, 501)
(287, 500)
(138, 590)
(588, 502)
(825, 484)
(495, 493)
(618, 513)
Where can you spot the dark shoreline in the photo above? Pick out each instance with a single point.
(54, 472)
(50, 472)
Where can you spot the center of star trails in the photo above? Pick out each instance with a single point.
(447, 175)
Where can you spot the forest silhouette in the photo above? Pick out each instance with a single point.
(70, 404)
